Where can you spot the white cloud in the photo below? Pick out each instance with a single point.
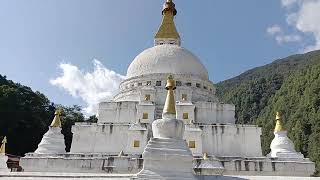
(279, 35)
(308, 21)
(287, 38)
(92, 87)
(288, 3)
(303, 16)
(275, 29)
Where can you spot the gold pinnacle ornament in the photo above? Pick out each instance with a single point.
(56, 122)
(170, 104)
(167, 28)
(205, 156)
(279, 123)
(3, 146)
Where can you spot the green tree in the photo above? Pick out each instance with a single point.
(24, 116)
(70, 116)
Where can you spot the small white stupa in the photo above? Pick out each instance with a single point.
(167, 155)
(209, 166)
(281, 146)
(3, 157)
(53, 140)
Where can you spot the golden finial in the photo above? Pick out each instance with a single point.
(205, 156)
(121, 154)
(170, 83)
(56, 122)
(167, 29)
(169, 6)
(170, 105)
(279, 125)
(3, 145)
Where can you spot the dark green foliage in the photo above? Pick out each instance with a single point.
(251, 97)
(299, 100)
(69, 116)
(25, 116)
(282, 67)
(290, 85)
(92, 119)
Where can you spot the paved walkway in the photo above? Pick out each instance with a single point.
(93, 176)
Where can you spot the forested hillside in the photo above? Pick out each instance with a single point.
(25, 116)
(290, 85)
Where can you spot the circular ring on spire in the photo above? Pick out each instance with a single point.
(169, 6)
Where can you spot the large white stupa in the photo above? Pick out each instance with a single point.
(115, 143)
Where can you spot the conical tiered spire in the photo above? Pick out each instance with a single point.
(170, 105)
(3, 146)
(279, 123)
(56, 122)
(167, 33)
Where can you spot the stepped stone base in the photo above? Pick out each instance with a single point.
(289, 156)
(167, 159)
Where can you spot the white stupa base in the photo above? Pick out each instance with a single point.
(283, 148)
(166, 159)
(286, 155)
(3, 163)
(52, 142)
(167, 155)
(209, 167)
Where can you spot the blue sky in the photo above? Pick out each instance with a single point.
(228, 36)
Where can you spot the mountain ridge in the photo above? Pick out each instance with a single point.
(297, 58)
(292, 81)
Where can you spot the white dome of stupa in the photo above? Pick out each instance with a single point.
(167, 58)
(281, 142)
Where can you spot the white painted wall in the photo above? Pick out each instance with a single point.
(108, 139)
(194, 134)
(185, 107)
(145, 108)
(137, 132)
(219, 140)
(117, 112)
(93, 163)
(214, 113)
(231, 140)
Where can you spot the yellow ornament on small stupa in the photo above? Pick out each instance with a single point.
(205, 156)
(279, 124)
(3, 145)
(56, 122)
(170, 104)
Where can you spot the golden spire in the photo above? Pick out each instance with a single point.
(205, 156)
(170, 104)
(3, 146)
(121, 154)
(56, 120)
(279, 125)
(167, 29)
